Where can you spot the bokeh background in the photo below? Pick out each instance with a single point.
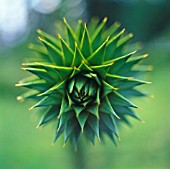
(144, 146)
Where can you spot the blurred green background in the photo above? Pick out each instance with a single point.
(145, 146)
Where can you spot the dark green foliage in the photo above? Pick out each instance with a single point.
(85, 79)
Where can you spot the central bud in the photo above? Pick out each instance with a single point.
(83, 88)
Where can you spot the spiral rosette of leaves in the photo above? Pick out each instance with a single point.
(84, 79)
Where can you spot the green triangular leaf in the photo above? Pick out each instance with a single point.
(80, 82)
(111, 30)
(97, 35)
(108, 131)
(132, 92)
(30, 94)
(85, 45)
(82, 118)
(130, 83)
(132, 62)
(41, 51)
(78, 110)
(97, 57)
(120, 100)
(79, 31)
(92, 25)
(125, 39)
(50, 115)
(106, 107)
(123, 111)
(55, 42)
(41, 73)
(54, 53)
(37, 84)
(64, 117)
(120, 45)
(58, 132)
(46, 101)
(90, 133)
(119, 62)
(93, 122)
(68, 53)
(71, 85)
(111, 46)
(94, 110)
(64, 106)
(107, 88)
(56, 88)
(70, 125)
(78, 57)
(102, 69)
(75, 137)
(71, 35)
(84, 67)
(62, 71)
(110, 123)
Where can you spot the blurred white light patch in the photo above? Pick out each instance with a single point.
(45, 6)
(13, 20)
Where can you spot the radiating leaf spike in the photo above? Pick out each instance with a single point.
(108, 88)
(49, 38)
(99, 29)
(106, 107)
(62, 71)
(54, 53)
(97, 35)
(111, 46)
(122, 101)
(70, 102)
(102, 69)
(58, 133)
(97, 57)
(41, 51)
(111, 30)
(37, 84)
(80, 31)
(78, 110)
(70, 126)
(50, 115)
(92, 25)
(82, 118)
(75, 138)
(68, 53)
(94, 110)
(85, 45)
(119, 62)
(71, 86)
(84, 66)
(78, 57)
(53, 89)
(71, 34)
(109, 122)
(64, 107)
(63, 118)
(41, 73)
(93, 122)
(125, 39)
(90, 133)
(46, 101)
